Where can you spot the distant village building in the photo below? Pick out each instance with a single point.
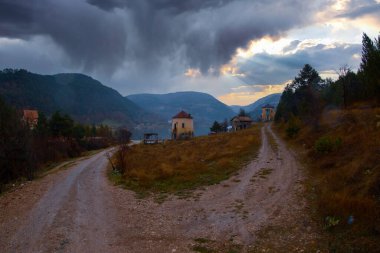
(182, 126)
(267, 112)
(241, 122)
(30, 117)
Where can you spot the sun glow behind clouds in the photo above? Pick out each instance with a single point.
(335, 29)
(271, 47)
(247, 94)
(264, 45)
(340, 5)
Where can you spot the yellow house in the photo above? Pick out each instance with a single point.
(267, 112)
(182, 126)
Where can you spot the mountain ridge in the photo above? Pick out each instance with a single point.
(204, 107)
(89, 101)
(82, 97)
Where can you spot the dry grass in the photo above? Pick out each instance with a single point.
(178, 166)
(346, 180)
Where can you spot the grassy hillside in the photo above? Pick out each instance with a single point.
(337, 124)
(203, 107)
(344, 157)
(182, 165)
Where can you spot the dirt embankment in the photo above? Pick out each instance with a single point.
(77, 210)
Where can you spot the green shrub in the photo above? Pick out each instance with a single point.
(327, 144)
(331, 222)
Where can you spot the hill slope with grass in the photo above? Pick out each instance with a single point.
(82, 97)
(184, 165)
(344, 161)
(204, 108)
(336, 126)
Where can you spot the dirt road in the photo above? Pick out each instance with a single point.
(78, 210)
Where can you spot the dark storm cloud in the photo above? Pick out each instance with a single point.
(205, 33)
(16, 18)
(268, 69)
(91, 38)
(100, 34)
(174, 6)
(28, 55)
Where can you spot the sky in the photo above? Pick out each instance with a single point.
(235, 50)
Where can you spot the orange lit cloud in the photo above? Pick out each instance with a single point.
(244, 95)
(193, 73)
(231, 70)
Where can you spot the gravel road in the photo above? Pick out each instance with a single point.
(77, 209)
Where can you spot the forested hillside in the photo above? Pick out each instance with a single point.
(83, 98)
(336, 124)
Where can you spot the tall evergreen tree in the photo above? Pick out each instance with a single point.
(61, 125)
(370, 67)
(301, 97)
(42, 128)
(242, 112)
(216, 127)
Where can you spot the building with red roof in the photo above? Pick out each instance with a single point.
(182, 126)
(30, 117)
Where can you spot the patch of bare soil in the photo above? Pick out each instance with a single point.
(260, 209)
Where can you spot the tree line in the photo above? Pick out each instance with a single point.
(308, 95)
(24, 150)
(221, 127)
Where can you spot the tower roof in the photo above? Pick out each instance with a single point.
(30, 114)
(242, 118)
(182, 115)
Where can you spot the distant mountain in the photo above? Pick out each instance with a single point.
(89, 101)
(254, 109)
(82, 97)
(203, 107)
(236, 108)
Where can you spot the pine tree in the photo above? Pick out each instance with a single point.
(301, 97)
(216, 127)
(370, 67)
(242, 113)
